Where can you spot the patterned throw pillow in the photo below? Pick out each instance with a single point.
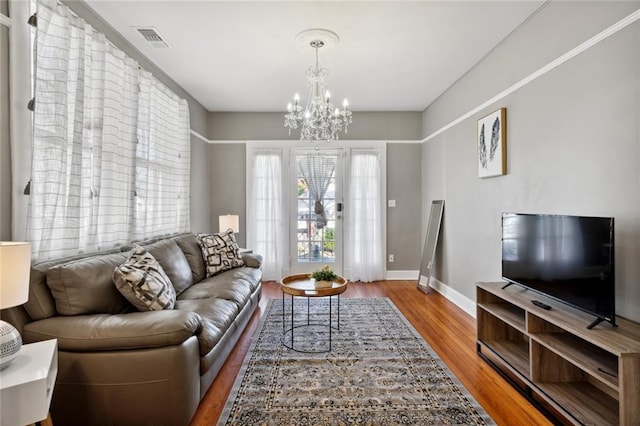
(220, 252)
(143, 282)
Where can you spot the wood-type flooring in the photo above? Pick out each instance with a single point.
(449, 330)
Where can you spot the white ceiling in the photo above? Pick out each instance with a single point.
(242, 56)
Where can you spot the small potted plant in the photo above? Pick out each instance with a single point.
(324, 277)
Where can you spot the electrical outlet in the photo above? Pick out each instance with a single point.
(391, 258)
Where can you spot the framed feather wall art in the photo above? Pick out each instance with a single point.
(492, 144)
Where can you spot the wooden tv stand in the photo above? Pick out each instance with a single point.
(579, 376)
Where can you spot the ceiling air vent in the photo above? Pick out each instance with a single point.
(152, 36)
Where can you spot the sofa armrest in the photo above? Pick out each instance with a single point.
(137, 330)
(252, 260)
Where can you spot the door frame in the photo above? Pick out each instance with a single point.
(295, 266)
(287, 146)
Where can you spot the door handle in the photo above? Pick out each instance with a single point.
(339, 207)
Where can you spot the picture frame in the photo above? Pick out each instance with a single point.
(492, 144)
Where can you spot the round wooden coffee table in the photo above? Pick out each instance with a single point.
(300, 285)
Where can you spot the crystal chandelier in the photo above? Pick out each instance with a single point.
(320, 120)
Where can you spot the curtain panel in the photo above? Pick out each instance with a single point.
(366, 260)
(318, 172)
(104, 131)
(162, 161)
(265, 228)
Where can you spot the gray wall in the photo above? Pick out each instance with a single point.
(227, 126)
(200, 187)
(227, 163)
(544, 38)
(573, 144)
(5, 148)
(404, 162)
(228, 182)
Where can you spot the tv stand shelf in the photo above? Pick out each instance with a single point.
(578, 375)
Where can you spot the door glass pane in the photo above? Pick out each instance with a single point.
(303, 250)
(315, 234)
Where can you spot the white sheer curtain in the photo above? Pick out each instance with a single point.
(265, 232)
(366, 262)
(162, 161)
(84, 137)
(85, 157)
(317, 172)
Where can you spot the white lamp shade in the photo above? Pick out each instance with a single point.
(15, 265)
(229, 221)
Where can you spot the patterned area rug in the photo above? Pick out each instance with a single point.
(379, 372)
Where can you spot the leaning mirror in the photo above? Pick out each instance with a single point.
(430, 244)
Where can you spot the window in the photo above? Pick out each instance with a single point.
(110, 159)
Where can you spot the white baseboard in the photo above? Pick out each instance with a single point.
(464, 303)
(402, 275)
(461, 301)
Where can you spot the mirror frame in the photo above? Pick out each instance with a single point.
(430, 244)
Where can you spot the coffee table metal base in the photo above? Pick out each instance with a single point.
(288, 333)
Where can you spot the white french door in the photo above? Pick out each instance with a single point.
(316, 234)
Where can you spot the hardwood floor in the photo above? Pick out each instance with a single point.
(450, 331)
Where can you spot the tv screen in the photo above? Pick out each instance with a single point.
(568, 258)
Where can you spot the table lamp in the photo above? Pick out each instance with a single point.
(15, 265)
(229, 221)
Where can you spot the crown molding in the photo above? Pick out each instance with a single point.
(294, 141)
(606, 33)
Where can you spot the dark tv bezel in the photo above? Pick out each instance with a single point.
(599, 317)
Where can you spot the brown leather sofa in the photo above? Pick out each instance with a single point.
(118, 366)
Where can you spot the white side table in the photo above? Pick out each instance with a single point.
(26, 385)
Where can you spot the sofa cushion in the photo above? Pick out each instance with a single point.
(220, 252)
(191, 249)
(173, 262)
(235, 285)
(84, 286)
(104, 332)
(250, 277)
(41, 303)
(217, 315)
(144, 283)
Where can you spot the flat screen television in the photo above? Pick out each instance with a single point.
(568, 258)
